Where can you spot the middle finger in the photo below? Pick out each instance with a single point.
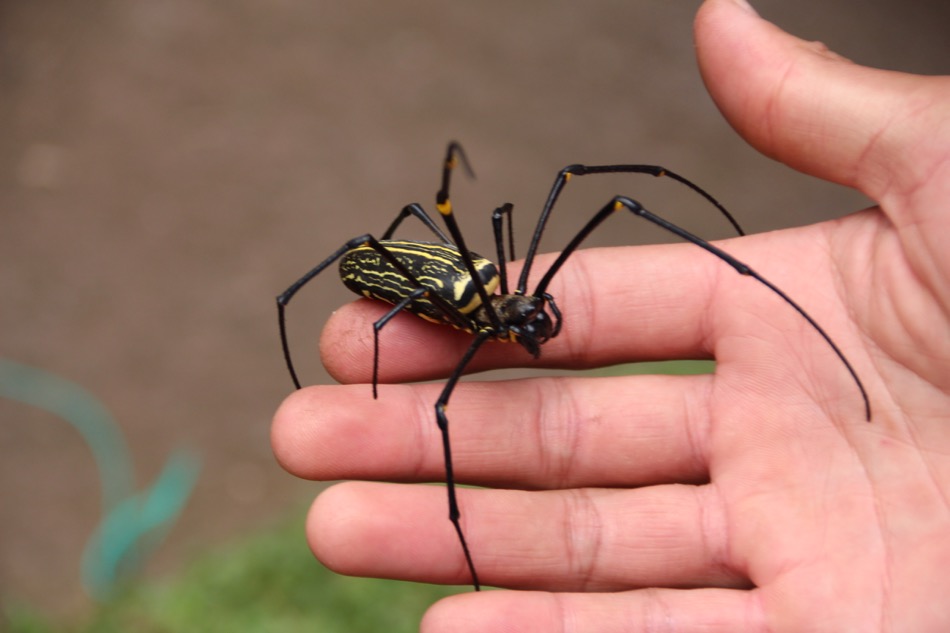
(541, 433)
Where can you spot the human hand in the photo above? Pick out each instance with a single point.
(760, 488)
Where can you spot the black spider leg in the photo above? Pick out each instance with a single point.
(506, 210)
(555, 312)
(497, 221)
(444, 205)
(443, 421)
(621, 202)
(381, 323)
(582, 170)
(453, 316)
(415, 209)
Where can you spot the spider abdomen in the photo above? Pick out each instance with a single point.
(439, 267)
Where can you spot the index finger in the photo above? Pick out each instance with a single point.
(618, 305)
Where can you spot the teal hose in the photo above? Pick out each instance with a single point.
(133, 523)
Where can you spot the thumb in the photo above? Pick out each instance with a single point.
(878, 131)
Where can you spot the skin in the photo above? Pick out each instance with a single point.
(755, 499)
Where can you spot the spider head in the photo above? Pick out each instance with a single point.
(526, 320)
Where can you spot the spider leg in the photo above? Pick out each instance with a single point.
(284, 298)
(554, 311)
(416, 210)
(382, 321)
(621, 202)
(497, 222)
(745, 269)
(565, 175)
(443, 421)
(444, 205)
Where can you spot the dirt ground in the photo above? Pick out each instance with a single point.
(167, 168)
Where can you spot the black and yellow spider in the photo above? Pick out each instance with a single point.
(447, 283)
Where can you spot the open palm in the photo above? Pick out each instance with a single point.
(754, 499)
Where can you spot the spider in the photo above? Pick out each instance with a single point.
(444, 282)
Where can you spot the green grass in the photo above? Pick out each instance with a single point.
(669, 367)
(268, 583)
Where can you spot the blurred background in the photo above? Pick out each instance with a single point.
(167, 168)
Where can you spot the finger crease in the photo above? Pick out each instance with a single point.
(423, 434)
(581, 340)
(558, 434)
(583, 537)
(713, 531)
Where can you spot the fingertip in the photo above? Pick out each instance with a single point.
(407, 345)
(335, 517)
(346, 342)
(360, 528)
(315, 430)
(287, 435)
(385, 531)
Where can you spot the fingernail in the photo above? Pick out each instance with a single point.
(745, 6)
